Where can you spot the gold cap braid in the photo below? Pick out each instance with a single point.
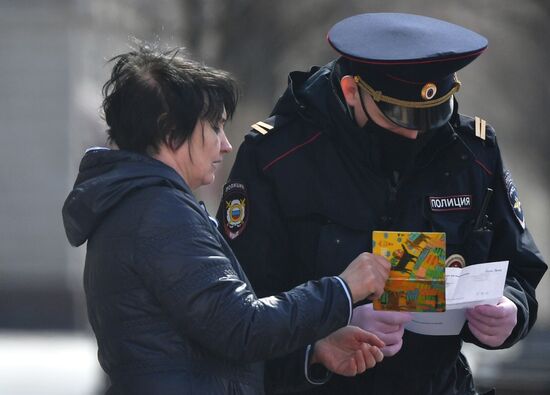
(379, 96)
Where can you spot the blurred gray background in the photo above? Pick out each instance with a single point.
(53, 63)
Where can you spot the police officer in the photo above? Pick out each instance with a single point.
(374, 141)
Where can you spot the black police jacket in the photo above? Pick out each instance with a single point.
(315, 190)
(172, 311)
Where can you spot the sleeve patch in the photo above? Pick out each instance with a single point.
(235, 206)
(513, 197)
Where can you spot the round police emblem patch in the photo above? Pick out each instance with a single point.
(235, 203)
(455, 260)
(513, 197)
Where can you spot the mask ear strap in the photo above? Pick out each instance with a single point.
(363, 104)
(337, 91)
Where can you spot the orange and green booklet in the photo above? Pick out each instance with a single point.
(417, 277)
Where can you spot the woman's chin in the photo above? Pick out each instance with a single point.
(208, 180)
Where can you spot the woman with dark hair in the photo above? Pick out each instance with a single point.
(171, 308)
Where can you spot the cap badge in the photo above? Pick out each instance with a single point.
(428, 91)
(236, 211)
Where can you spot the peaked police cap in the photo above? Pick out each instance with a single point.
(407, 63)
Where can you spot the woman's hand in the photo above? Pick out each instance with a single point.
(348, 351)
(366, 276)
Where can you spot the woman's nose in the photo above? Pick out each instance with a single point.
(225, 144)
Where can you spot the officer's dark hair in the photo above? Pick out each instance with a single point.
(155, 97)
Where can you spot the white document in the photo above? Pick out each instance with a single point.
(449, 322)
(464, 287)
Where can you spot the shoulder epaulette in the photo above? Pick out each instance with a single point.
(268, 126)
(262, 127)
(479, 128)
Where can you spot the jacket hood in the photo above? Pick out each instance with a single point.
(316, 96)
(306, 90)
(105, 178)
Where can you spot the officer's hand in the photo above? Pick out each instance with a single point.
(348, 351)
(387, 325)
(493, 324)
(366, 276)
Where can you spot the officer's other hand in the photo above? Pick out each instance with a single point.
(493, 324)
(348, 351)
(366, 276)
(387, 325)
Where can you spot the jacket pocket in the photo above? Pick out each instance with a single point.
(455, 225)
(472, 245)
(478, 246)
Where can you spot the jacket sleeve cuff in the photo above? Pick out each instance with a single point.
(348, 294)
(316, 374)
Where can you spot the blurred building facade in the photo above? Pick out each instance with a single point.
(53, 62)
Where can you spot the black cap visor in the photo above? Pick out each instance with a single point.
(420, 119)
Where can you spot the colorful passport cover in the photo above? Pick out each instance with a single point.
(417, 277)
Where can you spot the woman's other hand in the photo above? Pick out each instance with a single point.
(348, 351)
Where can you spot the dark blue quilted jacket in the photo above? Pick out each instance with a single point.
(171, 308)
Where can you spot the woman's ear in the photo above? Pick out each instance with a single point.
(349, 90)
